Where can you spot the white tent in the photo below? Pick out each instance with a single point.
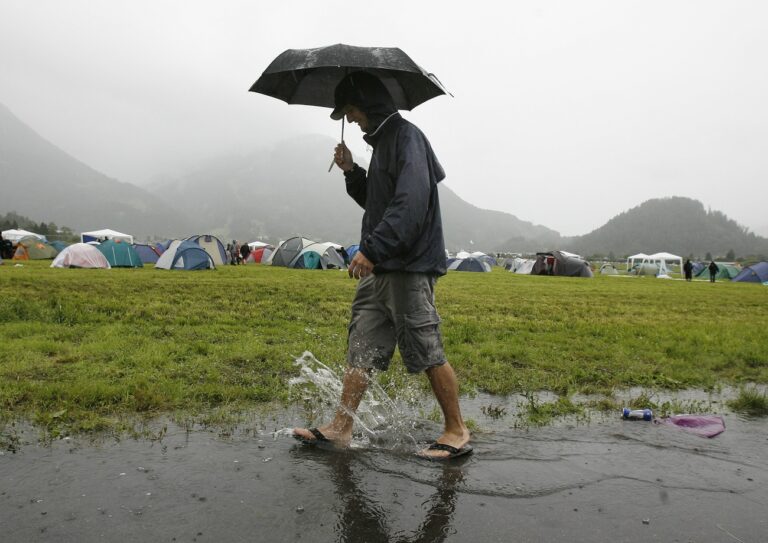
(257, 245)
(661, 259)
(642, 257)
(99, 235)
(80, 255)
(16, 235)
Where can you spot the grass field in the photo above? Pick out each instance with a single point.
(85, 349)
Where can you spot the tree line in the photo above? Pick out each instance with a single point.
(14, 221)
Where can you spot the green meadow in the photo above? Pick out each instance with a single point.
(90, 350)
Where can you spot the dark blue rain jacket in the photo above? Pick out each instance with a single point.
(402, 228)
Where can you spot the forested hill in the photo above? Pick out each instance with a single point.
(677, 225)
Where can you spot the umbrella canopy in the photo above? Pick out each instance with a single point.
(309, 76)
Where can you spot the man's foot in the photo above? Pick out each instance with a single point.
(447, 446)
(324, 434)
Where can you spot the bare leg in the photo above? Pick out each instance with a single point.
(446, 389)
(339, 430)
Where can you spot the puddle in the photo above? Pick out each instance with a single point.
(601, 479)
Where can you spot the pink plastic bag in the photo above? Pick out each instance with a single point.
(701, 425)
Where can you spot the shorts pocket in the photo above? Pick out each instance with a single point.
(419, 340)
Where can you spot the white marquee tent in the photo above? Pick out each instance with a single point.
(98, 235)
(661, 260)
(16, 235)
(640, 257)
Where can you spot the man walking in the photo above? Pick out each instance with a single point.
(713, 269)
(402, 253)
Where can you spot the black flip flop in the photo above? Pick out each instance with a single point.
(319, 437)
(453, 452)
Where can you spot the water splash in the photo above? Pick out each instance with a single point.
(380, 420)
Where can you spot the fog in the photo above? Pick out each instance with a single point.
(564, 113)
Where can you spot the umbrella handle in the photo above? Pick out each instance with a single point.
(342, 141)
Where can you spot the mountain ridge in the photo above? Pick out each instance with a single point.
(285, 189)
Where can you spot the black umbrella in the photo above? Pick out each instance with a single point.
(309, 76)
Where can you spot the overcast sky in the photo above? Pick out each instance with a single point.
(565, 113)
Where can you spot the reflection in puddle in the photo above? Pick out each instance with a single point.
(597, 479)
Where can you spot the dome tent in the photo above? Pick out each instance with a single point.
(319, 256)
(80, 255)
(213, 246)
(259, 255)
(561, 263)
(120, 254)
(185, 255)
(724, 271)
(34, 248)
(287, 252)
(147, 253)
(470, 264)
(756, 273)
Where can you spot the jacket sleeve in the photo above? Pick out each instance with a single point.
(406, 215)
(356, 178)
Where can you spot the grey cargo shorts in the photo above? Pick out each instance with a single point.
(396, 308)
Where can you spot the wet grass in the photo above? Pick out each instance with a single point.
(751, 402)
(92, 350)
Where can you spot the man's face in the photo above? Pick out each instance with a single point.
(354, 115)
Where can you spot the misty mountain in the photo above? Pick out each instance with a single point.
(40, 180)
(678, 225)
(286, 190)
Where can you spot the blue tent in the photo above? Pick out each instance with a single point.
(58, 245)
(147, 253)
(470, 264)
(756, 273)
(185, 255)
(351, 251)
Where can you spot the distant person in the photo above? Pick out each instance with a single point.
(713, 269)
(244, 252)
(688, 269)
(228, 252)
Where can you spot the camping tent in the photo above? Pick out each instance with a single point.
(725, 270)
(253, 245)
(80, 255)
(14, 235)
(33, 248)
(639, 257)
(319, 256)
(519, 265)
(484, 257)
(756, 273)
(351, 251)
(213, 246)
(645, 268)
(470, 264)
(561, 263)
(120, 254)
(147, 253)
(288, 250)
(100, 235)
(608, 269)
(662, 260)
(58, 245)
(259, 255)
(185, 255)
(525, 267)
